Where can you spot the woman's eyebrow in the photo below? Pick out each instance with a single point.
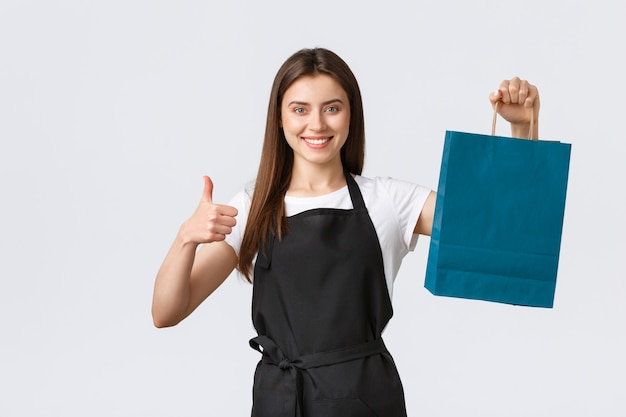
(304, 103)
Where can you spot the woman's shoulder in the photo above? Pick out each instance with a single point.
(385, 184)
(243, 198)
(401, 196)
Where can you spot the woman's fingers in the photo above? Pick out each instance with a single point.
(516, 91)
(210, 222)
(516, 96)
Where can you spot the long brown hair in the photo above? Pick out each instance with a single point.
(267, 211)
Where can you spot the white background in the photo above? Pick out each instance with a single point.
(111, 111)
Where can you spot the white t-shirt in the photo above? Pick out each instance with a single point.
(393, 205)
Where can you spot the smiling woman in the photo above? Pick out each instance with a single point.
(315, 118)
(320, 243)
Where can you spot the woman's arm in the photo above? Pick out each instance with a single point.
(187, 278)
(424, 225)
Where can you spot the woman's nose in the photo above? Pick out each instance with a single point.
(316, 122)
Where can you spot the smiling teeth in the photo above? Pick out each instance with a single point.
(316, 141)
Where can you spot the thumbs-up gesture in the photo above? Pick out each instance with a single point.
(210, 222)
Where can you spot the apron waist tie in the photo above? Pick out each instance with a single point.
(273, 355)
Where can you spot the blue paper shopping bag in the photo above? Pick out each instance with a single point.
(498, 219)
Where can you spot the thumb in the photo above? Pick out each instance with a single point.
(207, 193)
(495, 97)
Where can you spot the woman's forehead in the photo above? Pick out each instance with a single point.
(314, 88)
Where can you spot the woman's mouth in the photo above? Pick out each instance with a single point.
(317, 141)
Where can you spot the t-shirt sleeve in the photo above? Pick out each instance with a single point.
(241, 201)
(408, 200)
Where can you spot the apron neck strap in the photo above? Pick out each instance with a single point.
(355, 192)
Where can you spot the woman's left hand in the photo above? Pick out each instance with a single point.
(518, 102)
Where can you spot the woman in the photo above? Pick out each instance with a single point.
(321, 244)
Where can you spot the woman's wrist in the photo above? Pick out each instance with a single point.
(184, 238)
(522, 130)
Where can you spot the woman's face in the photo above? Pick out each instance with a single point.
(315, 117)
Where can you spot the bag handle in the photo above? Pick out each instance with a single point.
(495, 116)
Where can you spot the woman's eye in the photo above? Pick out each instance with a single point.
(299, 110)
(332, 109)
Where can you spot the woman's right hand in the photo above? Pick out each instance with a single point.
(210, 222)
(186, 278)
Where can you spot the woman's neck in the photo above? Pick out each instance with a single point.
(309, 180)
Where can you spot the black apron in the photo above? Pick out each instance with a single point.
(320, 303)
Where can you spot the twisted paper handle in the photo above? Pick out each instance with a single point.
(495, 116)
